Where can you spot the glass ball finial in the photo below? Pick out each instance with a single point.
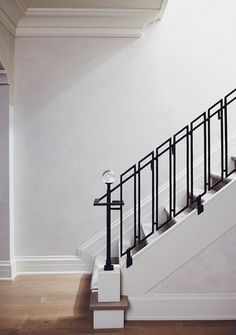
(108, 177)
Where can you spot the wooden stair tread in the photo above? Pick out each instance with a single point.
(123, 304)
(233, 158)
(219, 179)
(215, 176)
(114, 260)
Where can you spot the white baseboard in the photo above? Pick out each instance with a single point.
(49, 265)
(6, 270)
(183, 307)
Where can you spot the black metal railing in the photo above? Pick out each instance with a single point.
(214, 123)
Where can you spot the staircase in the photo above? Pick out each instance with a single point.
(190, 184)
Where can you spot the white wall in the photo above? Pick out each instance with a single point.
(84, 105)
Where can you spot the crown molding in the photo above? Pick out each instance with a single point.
(87, 12)
(78, 32)
(87, 22)
(148, 4)
(21, 4)
(78, 22)
(8, 24)
(10, 14)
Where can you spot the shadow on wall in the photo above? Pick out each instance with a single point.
(54, 66)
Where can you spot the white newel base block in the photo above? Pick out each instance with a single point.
(108, 315)
(109, 285)
(108, 319)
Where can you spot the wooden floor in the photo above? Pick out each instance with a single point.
(51, 305)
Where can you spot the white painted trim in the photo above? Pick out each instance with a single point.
(183, 307)
(35, 265)
(9, 16)
(11, 186)
(88, 12)
(4, 19)
(6, 272)
(78, 32)
(49, 265)
(149, 4)
(21, 5)
(80, 22)
(87, 22)
(162, 8)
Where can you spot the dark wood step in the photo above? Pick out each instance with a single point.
(123, 304)
(114, 260)
(216, 179)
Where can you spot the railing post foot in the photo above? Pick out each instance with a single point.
(108, 266)
(129, 260)
(200, 207)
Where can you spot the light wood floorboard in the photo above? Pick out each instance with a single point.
(59, 305)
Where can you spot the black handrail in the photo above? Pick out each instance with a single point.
(169, 149)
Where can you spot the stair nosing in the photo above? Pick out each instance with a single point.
(95, 305)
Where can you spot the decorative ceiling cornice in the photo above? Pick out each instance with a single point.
(83, 22)
(126, 4)
(8, 24)
(21, 5)
(10, 14)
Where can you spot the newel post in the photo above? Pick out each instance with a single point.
(108, 178)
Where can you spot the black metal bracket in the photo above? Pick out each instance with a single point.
(173, 149)
(200, 207)
(115, 204)
(152, 165)
(129, 259)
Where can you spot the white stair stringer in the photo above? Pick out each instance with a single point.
(98, 264)
(180, 243)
